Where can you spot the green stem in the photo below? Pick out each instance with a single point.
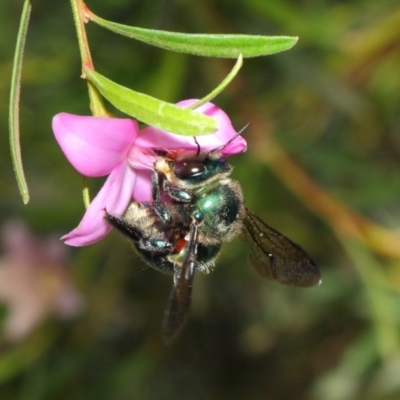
(85, 191)
(80, 13)
(78, 10)
(221, 86)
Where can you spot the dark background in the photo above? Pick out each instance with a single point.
(323, 148)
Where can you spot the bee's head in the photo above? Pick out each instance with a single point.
(195, 167)
(192, 169)
(202, 168)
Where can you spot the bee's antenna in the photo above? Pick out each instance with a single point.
(231, 139)
(198, 146)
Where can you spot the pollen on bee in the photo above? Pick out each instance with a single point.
(162, 166)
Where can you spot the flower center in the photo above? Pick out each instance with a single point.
(139, 158)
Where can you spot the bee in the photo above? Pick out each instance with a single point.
(196, 207)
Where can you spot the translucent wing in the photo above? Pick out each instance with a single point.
(276, 257)
(180, 297)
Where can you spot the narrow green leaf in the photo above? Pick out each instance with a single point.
(14, 103)
(209, 45)
(158, 113)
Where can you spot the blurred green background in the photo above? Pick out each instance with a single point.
(324, 148)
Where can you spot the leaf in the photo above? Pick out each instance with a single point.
(14, 103)
(208, 45)
(154, 112)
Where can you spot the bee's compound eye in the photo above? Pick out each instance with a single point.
(188, 168)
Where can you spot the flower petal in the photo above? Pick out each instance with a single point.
(142, 189)
(140, 158)
(94, 145)
(151, 137)
(114, 197)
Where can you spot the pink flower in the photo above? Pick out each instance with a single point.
(98, 146)
(35, 280)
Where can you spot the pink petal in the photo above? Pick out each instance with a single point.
(142, 189)
(114, 196)
(140, 158)
(94, 145)
(151, 137)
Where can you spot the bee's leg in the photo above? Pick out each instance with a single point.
(121, 225)
(155, 186)
(180, 297)
(158, 205)
(151, 245)
(160, 183)
(155, 246)
(177, 194)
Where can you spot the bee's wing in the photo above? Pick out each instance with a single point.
(180, 297)
(276, 257)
